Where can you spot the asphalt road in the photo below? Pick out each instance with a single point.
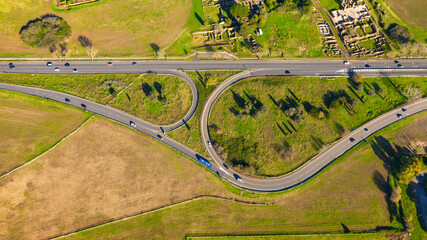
(301, 68)
(256, 68)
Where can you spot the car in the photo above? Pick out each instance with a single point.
(367, 65)
(403, 109)
(57, 69)
(238, 178)
(75, 70)
(395, 61)
(399, 66)
(67, 100)
(346, 62)
(66, 64)
(351, 139)
(132, 124)
(163, 131)
(110, 64)
(287, 72)
(83, 105)
(209, 143)
(160, 136)
(366, 130)
(134, 63)
(49, 64)
(11, 66)
(399, 115)
(225, 165)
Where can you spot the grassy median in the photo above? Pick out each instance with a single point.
(270, 126)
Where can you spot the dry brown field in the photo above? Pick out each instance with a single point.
(116, 27)
(412, 11)
(30, 126)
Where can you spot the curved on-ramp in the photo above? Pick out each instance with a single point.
(313, 166)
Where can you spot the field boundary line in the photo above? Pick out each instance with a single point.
(121, 91)
(158, 209)
(50, 149)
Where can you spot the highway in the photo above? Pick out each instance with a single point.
(250, 69)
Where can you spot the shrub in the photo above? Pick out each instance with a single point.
(45, 32)
(395, 194)
(399, 33)
(409, 167)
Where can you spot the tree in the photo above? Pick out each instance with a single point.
(239, 11)
(399, 33)
(396, 195)
(409, 168)
(45, 32)
(155, 48)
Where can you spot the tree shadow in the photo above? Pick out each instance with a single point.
(355, 94)
(239, 100)
(146, 88)
(293, 95)
(158, 87)
(127, 95)
(199, 18)
(281, 129)
(112, 91)
(273, 100)
(186, 124)
(292, 126)
(345, 228)
(200, 79)
(289, 130)
(234, 111)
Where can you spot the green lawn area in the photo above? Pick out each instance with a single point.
(31, 125)
(270, 126)
(330, 5)
(116, 27)
(212, 13)
(93, 87)
(359, 32)
(367, 44)
(369, 30)
(160, 99)
(183, 46)
(347, 236)
(206, 82)
(291, 34)
(174, 103)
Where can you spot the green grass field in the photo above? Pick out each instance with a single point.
(330, 5)
(290, 34)
(30, 125)
(206, 83)
(175, 102)
(367, 44)
(252, 128)
(347, 236)
(346, 194)
(92, 87)
(116, 27)
(168, 100)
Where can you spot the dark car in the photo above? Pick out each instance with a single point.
(367, 65)
(399, 66)
(132, 124)
(66, 64)
(287, 72)
(134, 63)
(399, 115)
(75, 70)
(49, 64)
(67, 100)
(351, 139)
(11, 66)
(238, 178)
(160, 136)
(366, 130)
(403, 109)
(83, 105)
(395, 61)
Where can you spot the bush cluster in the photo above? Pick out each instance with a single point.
(45, 32)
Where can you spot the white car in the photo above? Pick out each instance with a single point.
(209, 143)
(346, 62)
(57, 69)
(132, 124)
(240, 180)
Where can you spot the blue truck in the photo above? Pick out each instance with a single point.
(205, 162)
